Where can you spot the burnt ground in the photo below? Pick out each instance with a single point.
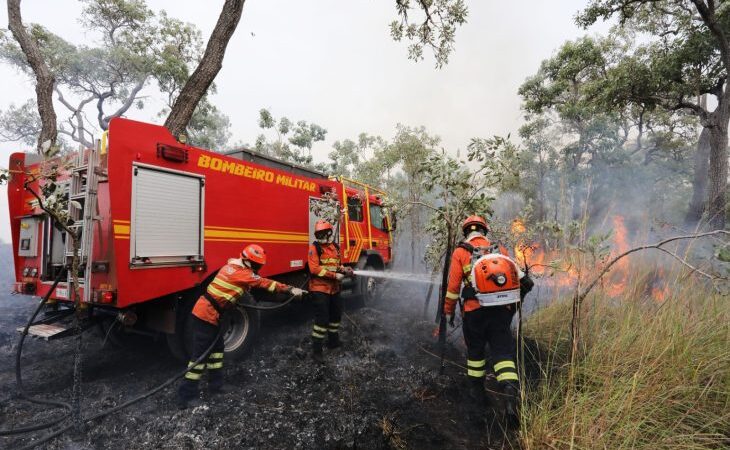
(381, 390)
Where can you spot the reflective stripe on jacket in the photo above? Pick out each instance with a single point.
(228, 286)
(323, 269)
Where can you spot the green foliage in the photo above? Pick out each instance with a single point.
(648, 376)
(583, 153)
(136, 47)
(460, 189)
(293, 142)
(209, 128)
(435, 27)
(681, 59)
(21, 123)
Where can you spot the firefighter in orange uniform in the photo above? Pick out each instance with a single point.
(326, 274)
(227, 288)
(484, 324)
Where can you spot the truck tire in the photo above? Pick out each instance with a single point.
(369, 287)
(241, 333)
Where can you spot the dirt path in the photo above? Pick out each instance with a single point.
(382, 390)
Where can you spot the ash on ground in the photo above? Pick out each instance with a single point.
(382, 389)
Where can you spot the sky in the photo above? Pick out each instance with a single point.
(332, 62)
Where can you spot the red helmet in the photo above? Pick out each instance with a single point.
(473, 222)
(254, 253)
(322, 225)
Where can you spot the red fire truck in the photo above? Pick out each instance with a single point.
(158, 218)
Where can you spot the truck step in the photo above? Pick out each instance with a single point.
(47, 331)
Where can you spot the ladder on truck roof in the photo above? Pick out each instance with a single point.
(82, 207)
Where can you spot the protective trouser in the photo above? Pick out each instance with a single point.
(490, 325)
(327, 315)
(204, 334)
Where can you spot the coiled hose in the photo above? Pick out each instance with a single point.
(140, 397)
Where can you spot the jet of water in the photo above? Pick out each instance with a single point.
(399, 276)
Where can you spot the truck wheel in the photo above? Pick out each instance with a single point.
(243, 328)
(369, 288)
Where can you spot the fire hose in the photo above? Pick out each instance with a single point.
(100, 414)
(19, 380)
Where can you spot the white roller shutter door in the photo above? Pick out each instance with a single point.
(167, 216)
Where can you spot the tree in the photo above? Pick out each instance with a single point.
(597, 147)
(361, 158)
(20, 123)
(137, 47)
(43, 76)
(197, 85)
(687, 56)
(172, 45)
(293, 142)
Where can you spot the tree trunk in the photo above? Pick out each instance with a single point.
(44, 78)
(699, 180)
(199, 82)
(717, 195)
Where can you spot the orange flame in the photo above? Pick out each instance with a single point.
(618, 280)
(517, 227)
(660, 288)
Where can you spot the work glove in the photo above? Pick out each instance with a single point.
(348, 272)
(526, 285)
(339, 276)
(296, 292)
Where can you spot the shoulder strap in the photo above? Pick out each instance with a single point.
(466, 246)
(318, 247)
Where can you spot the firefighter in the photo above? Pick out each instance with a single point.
(326, 275)
(230, 284)
(483, 324)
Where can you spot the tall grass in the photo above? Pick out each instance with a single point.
(648, 375)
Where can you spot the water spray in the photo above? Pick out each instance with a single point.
(397, 276)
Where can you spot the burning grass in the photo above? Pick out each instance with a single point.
(649, 374)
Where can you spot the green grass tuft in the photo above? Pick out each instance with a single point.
(648, 375)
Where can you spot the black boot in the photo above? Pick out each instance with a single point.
(317, 355)
(477, 393)
(333, 340)
(511, 403)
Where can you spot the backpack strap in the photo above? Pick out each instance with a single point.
(466, 246)
(319, 249)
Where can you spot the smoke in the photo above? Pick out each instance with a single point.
(507, 206)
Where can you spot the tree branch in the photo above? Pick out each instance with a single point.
(580, 296)
(125, 106)
(100, 107)
(686, 264)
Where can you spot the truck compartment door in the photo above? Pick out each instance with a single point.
(167, 217)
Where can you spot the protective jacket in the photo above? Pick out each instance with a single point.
(227, 288)
(460, 271)
(323, 268)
